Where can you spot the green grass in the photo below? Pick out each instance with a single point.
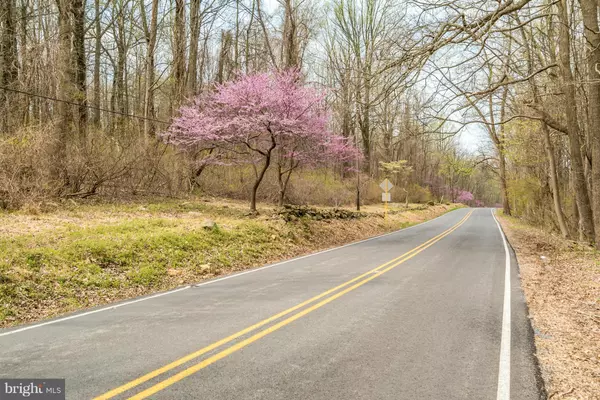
(97, 254)
(135, 252)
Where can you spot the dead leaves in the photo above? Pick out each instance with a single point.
(562, 286)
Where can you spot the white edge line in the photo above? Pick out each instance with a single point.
(26, 328)
(505, 342)
(318, 252)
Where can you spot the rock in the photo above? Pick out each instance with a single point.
(205, 268)
(209, 224)
(292, 213)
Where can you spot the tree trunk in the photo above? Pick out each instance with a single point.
(589, 10)
(363, 99)
(25, 110)
(503, 185)
(289, 51)
(248, 32)
(223, 66)
(150, 33)
(281, 185)
(266, 35)
(283, 179)
(97, 52)
(236, 48)
(179, 52)
(80, 69)
(554, 185)
(195, 22)
(9, 69)
(66, 89)
(118, 95)
(259, 177)
(258, 181)
(570, 105)
(554, 182)
(500, 143)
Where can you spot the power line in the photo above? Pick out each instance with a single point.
(82, 105)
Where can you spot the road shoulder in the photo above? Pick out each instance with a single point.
(560, 282)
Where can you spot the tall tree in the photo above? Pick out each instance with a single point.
(9, 69)
(150, 36)
(290, 45)
(589, 11)
(179, 51)
(224, 66)
(586, 220)
(67, 89)
(195, 24)
(79, 65)
(97, 85)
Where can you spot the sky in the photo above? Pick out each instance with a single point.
(473, 138)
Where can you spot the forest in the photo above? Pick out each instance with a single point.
(489, 103)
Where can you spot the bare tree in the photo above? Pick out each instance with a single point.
(589, 11)
(570, 105)
(9, 69)
(150, 32)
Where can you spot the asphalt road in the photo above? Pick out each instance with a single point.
(422, 313)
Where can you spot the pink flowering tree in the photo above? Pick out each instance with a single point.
(261, 119)
(464, 196)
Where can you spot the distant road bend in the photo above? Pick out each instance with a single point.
(430, 312)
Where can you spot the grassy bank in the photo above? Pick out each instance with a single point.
(79, 256)
(561, 280)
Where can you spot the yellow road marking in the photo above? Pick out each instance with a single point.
(373, 274)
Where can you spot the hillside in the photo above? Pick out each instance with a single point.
(83, 255)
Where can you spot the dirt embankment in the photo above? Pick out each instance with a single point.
(561, 280)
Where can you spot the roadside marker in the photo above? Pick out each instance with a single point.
(386, 196)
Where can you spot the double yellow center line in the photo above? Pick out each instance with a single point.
(349, 286)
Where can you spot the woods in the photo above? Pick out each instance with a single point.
(488, 103)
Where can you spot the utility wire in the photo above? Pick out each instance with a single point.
(80, 105)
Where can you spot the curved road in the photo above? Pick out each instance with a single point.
(422, 313)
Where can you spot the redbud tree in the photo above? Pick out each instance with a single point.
(260, 120)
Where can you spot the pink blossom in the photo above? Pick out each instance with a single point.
(256, 112)
(464, 196)
(261, 119)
